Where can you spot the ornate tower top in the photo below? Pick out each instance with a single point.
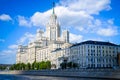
(53, 7)
(53, 17)
(52, 27)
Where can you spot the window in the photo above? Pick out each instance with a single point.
(109, 47)
(99, 51)
(103, 52)
(117, 49)
(88, 50)
(99, 47)
(113, 51)
(88, 46)
(102, 47)
(106, 51)
(109, 51)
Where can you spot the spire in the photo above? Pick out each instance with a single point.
(53, 7)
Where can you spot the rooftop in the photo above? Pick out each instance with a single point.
(95, 43)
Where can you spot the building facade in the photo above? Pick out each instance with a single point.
(56, 47)
(41, 48)
(95, 54)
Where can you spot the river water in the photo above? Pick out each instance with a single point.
(26, 77)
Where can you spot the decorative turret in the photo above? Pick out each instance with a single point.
(65, 36)
(22, 48)
(39, 35)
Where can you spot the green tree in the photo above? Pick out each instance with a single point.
(23, 66)
(69, 64)
(75, 65)
(42, 65)
(18, 66)
(33, 65)
(45, 65)
(48, 64)
(63, 65)
(37, 65)
(28, 66)
(13, 67)
(2, 67)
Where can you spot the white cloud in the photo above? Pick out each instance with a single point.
(94, 39)
(8, 56)
(26, 38)
(5, 17)
(111, 21)
(40, 19)
(2, 54)
(7, 51)
(89, 6)
(75, 38)
(14, 46)
(2, 40)
(107, 32)
(77, 14)
(11, 50)
(24, 21)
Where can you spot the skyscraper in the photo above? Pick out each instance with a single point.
(41, 48)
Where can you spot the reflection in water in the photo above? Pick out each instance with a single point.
(24, 77)
(58, 78)
(13, 77)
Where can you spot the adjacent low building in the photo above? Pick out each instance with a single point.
(89, 54)
(95, 54)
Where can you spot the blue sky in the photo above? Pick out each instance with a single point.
(85, 19)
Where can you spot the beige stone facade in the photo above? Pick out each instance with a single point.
(41, 49)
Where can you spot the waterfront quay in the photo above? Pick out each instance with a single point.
(77, 73)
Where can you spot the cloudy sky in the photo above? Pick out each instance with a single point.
(85, 19)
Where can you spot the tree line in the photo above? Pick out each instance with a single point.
(39, 66)
(33, 66)
(2, 67)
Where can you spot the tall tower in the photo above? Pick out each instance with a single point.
(52, 27)
(39, 35)
(65, 36)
